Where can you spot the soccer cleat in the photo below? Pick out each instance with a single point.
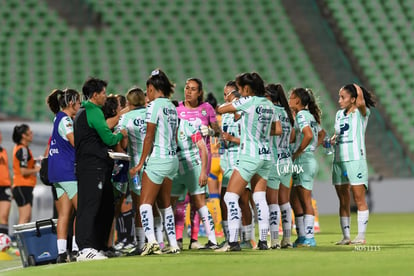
(73, 255)
(274, 244)
(344, 241)
(111, 252)
(62, 258)
(136, 252)
(90, 254)
(128, 248)
(151, 248)
(233, 247)
(210, 245)
(246, 245)
(358, 240)
(308, 242)
(262, 245)
(194, 245)
(223, 247)
(171, 250)
(286, 243)
(299, 241)
(119, 245)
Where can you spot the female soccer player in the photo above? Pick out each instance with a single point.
(61, 162)
(192, 175)
(259, 121)
(24, 172)
(162, 165)
(349, 169)
(280, 173)
(308, 135)
(202, 116)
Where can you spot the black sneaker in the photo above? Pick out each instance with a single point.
(234, 246)
(210, 245)
(262, 245)
(73, 255)
(62, 258)
(136, 252)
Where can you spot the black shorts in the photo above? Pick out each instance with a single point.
(5, 193)
(23, 195)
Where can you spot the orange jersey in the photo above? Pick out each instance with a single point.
(4, 169)
(23, 158)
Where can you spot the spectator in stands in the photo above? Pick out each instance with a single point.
(308, 136)
(94, 170)
(350, 169)
(278, 184)
(162, 165)
(61, 165)
(24, 170)
(5, 189)
(259, 121)
(202, 115)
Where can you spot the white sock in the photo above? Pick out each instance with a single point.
(140, 236)
(262, 208)
(225, 225)
(169, 225)
(208, 223)
(74, 244)
(362, 223)
(300, 226)
(346, 227)
(61, 245)
(308, 221)
(158, 229)
(147, 220)
(274, 217)
(286, 213)
(233, 215)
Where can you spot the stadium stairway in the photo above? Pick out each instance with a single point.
(335, 68)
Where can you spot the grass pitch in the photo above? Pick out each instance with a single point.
(389, 251)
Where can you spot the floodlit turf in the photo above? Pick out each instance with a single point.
(390, 250)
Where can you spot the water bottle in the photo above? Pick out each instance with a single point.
(327, 145)
(136, 182)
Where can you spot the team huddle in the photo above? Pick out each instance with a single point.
(267, 143)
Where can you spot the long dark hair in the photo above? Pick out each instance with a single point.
(277, 94)
(160, 81)
(308, 100)
(254, 81)
(59, 99)
(368, 96)
(18, 132)
(200, 89)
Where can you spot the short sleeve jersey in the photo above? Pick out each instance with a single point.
(303, 119)
(65, 127)
(187, 137)
(258, 114)
(163, 113)
(350, 130)
(280, 144)
(134, 123)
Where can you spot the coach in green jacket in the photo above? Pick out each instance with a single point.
(94, 169)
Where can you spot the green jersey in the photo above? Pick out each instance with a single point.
(162, 113)
(134, 123)
(188, 154)
(280, 144)
(258, 114)
(229, 152)
(303, 119)
(350, 135)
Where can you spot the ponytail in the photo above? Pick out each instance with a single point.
(277, 94)
(59, 99)
(308, 100)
